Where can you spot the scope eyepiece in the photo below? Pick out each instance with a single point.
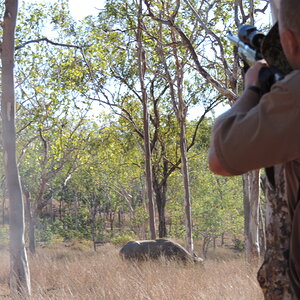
(251, 36)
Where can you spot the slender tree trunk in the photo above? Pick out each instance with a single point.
(251, 212)
(30, 222)
(142, 69)
(19, 270)
(93, 211)
(181, 117)
(160, 193)
(3, 206)
(187, 194)
(31, 230)
(120, 219)
(254, 214)
(262, 231)
(76, 211)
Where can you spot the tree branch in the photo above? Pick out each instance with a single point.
(48, 41)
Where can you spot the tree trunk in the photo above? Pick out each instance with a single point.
(262, 231)
(147, 149)
(181, 117)
(254, 214)
(251, 212)
(3, 206)
(76, 211)
(161, 198)
(93, 212)
(120, 219)
(30, 222)
(187, 195)
(19, 270)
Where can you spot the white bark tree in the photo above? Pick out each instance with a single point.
(19, 270)
(251, 211)
(147, 149)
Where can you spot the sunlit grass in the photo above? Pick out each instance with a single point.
(69, 273)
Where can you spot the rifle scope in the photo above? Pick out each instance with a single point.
(251, 36)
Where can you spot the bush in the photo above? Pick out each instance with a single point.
(238, 244)
(124, 238)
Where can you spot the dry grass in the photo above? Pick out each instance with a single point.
(68, 273)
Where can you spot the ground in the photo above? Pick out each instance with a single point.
(75, 271)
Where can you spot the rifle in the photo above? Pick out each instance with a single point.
(248, 43)
(253, 45)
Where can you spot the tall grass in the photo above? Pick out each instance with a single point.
(68, 273)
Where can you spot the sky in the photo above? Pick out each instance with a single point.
(81, 8)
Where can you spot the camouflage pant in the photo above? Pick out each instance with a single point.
(273, 276)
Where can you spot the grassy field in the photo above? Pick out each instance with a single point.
(76, 272)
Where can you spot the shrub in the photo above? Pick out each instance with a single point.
(124, 238)
(238, 244)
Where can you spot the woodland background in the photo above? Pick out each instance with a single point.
(89, 93)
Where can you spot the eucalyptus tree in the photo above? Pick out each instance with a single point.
(142, 66)
(217, 68)
(19, 269)
(118, 23)
(51, 112)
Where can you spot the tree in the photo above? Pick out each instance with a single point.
(19, 273)
(124, 69)
(147, 148)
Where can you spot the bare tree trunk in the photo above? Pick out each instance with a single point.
(187, 195)
(19, 270)
(251, 211)
(161, 198)
(3, 206)
(181, 117)
(254, 215)
(93, 212)
(149, 180)
(30, 222)
(76, 211)
(262, 231)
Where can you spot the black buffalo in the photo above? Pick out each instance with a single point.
(154, 249)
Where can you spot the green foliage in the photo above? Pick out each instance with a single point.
(140, 216)
(175, 209)
(66, 227)
(124, 238)
(238, 244)
(73, 151)
(44, 233)
(218, 203)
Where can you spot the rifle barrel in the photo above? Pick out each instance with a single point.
(245, 51)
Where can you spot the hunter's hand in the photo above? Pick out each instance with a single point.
(252, 75)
